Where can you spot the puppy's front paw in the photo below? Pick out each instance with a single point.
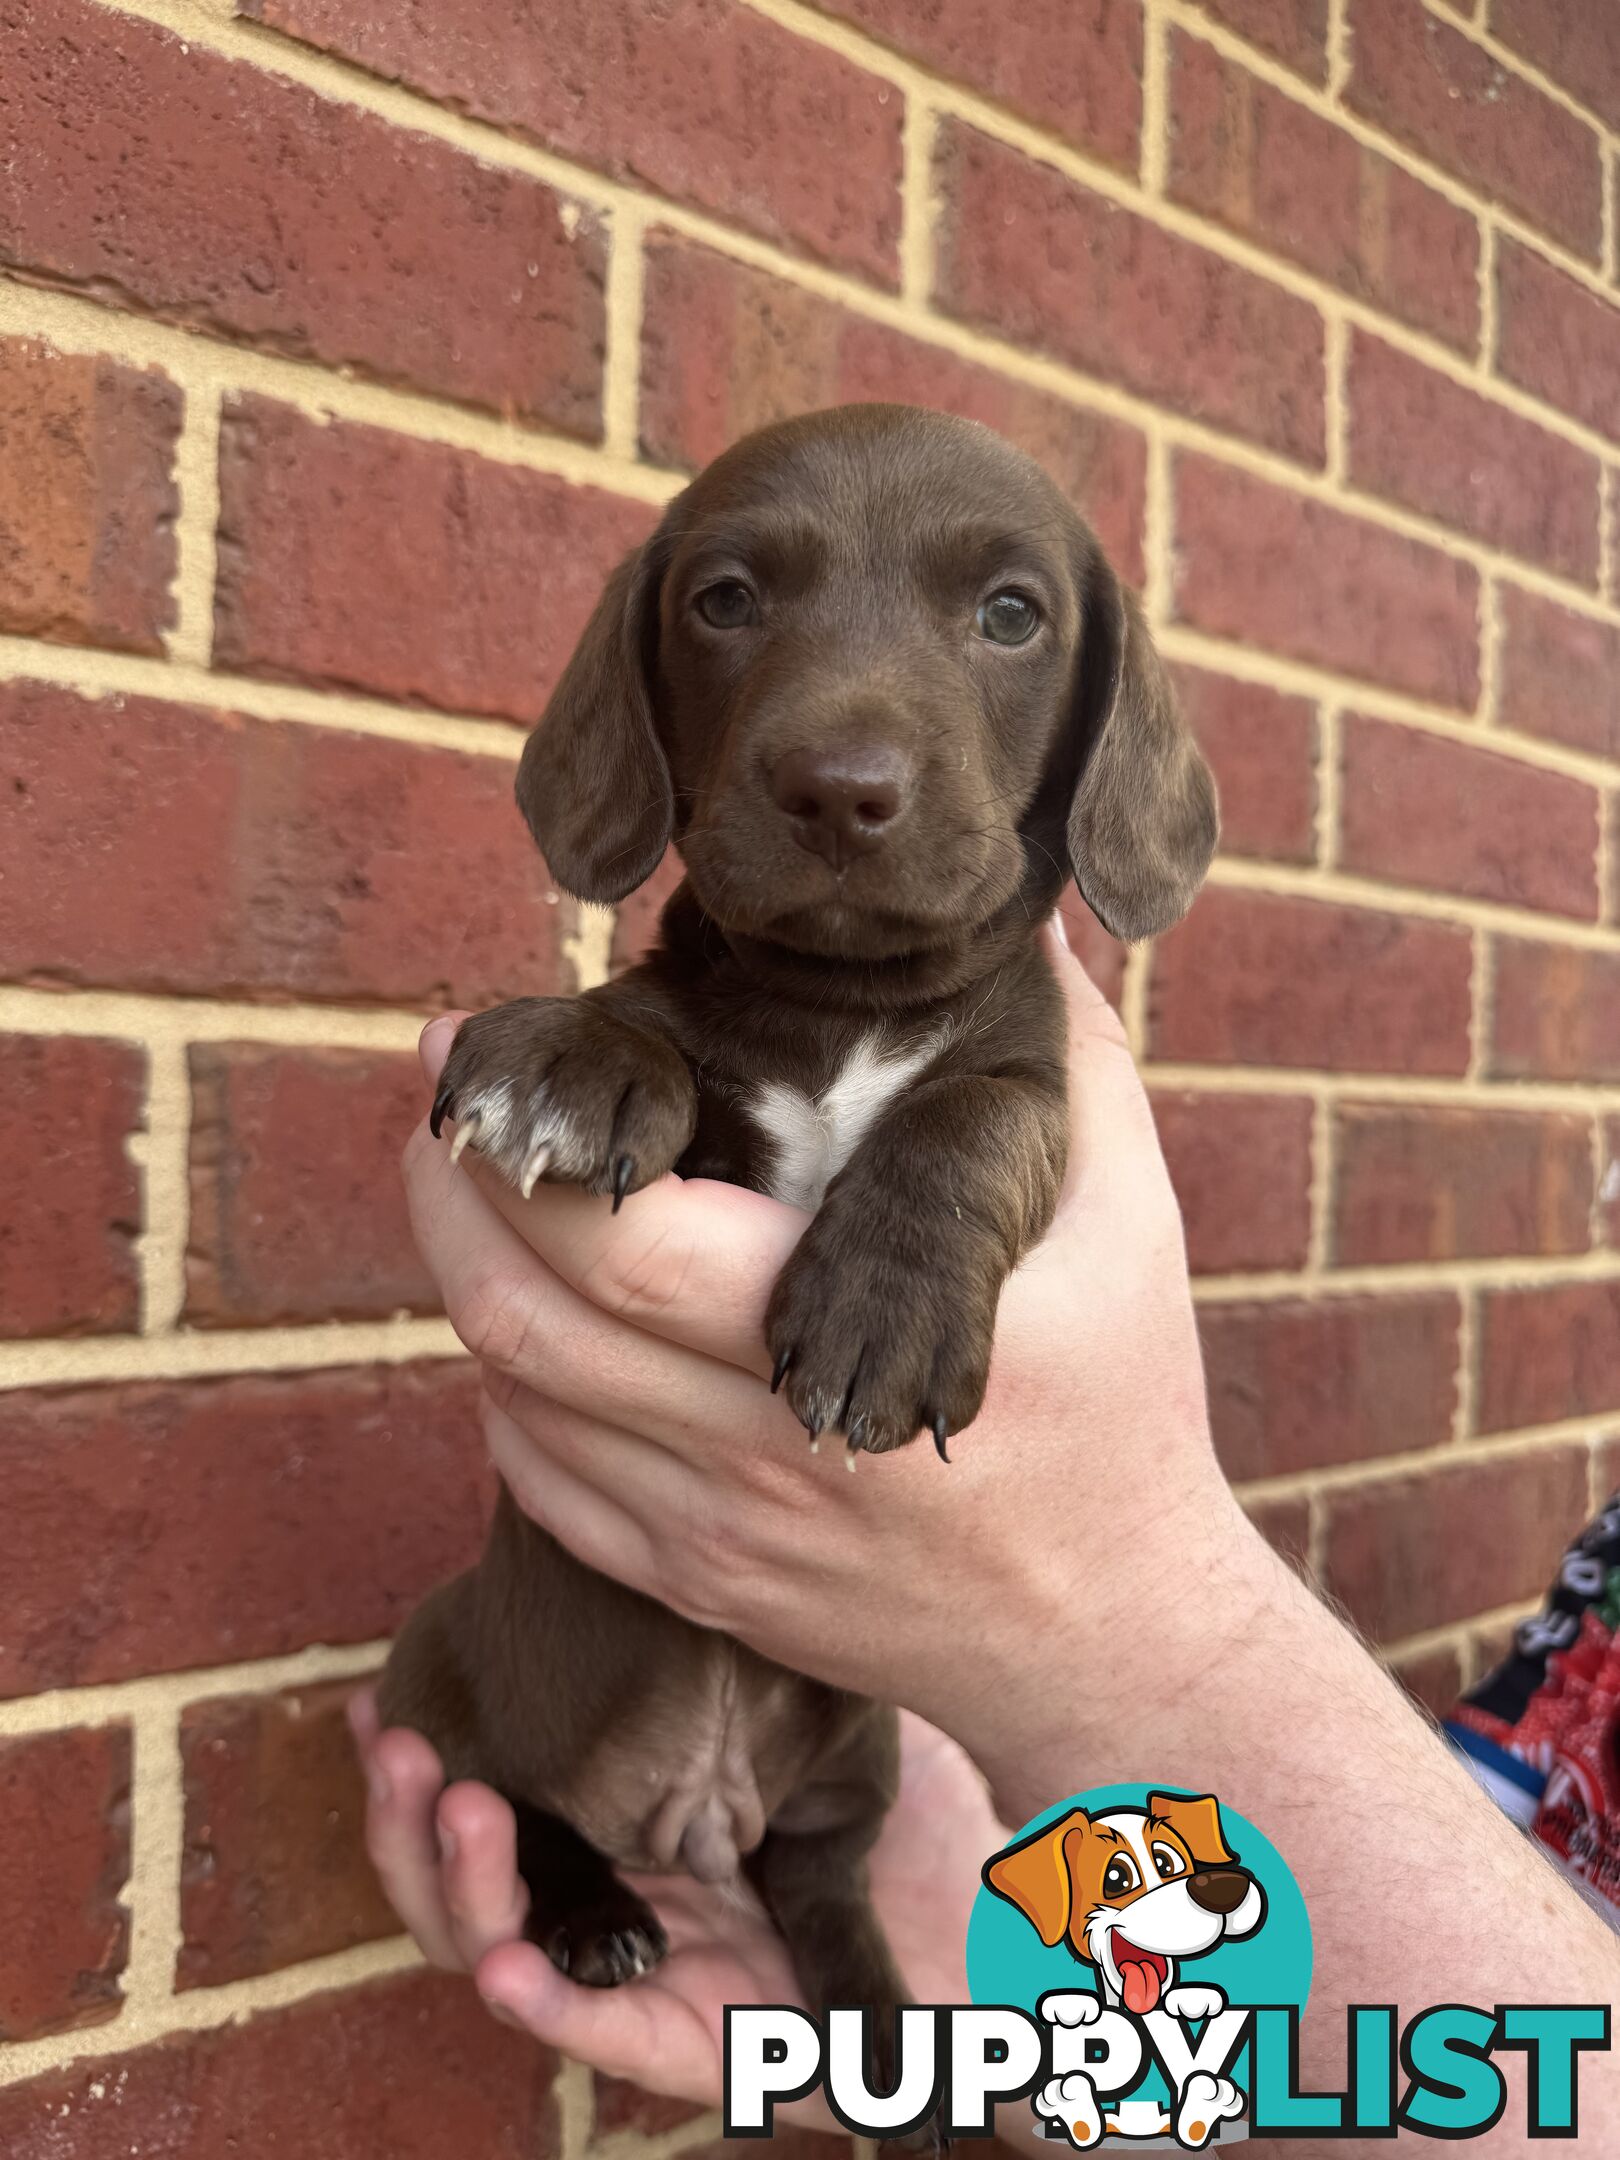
(557, 1088)
(606, 1944)
(866, 1342)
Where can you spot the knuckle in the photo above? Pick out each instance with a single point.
(640, 1273)
(494, 1314)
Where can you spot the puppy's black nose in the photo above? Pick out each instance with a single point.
(1219, 1890)
(842, 801)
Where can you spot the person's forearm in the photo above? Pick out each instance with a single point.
(1236, 1681)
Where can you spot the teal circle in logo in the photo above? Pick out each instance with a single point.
(1008, 1963)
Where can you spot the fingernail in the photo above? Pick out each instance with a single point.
(447, 1844)
(381, 1790)
(499, 2011)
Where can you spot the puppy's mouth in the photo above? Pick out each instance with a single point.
(1143, 1974)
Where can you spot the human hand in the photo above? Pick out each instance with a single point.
(446, 1857)
(625, 1364)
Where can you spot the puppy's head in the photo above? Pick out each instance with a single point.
(874, 677)
(1132, 1889)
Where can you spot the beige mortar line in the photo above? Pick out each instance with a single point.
(1458, 1635)
(1572, 1097)
(575, 2095)
(588, 951)
(406, 108)
(96, 674)
(157, 1833)
(1481, 979)
(621, 386)
(1489, 313)
(197, 472)
(640, 2145)
(206, 366)
(1331, 1478)
(1338, 52)
(1316, 1532)
(1319, 1250)
(1608, 521)
(165, 1159)
(165, 1023)
(1327, 784)
(165, 1695)
(1133, 998)
(1610, 169)
(95, 1360)
(1490, 654)
(918, 203)
(1308, 883)
(1155, 161)
(1521, 1271)
(201, 2010)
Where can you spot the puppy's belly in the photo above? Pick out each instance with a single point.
(685, 1779)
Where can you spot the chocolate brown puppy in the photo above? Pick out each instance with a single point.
(874, 678)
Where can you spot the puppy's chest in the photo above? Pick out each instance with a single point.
(810, 1134)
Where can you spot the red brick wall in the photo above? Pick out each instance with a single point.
(342, 348)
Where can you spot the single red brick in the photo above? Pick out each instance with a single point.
(64, 1857)
(1557, 338)
(349, 555)
(1432, 1678)
(1546, 1354)
(1407, 1553)
(1418, 1183)
(1295, 1385)
(1425, 810)
(1574, 42)
(1295, 31)
(154, 1526)
(297, 1207)
(1262, 979)
(1420, 439)
(1241, 1166)
(414, 2068)
(1286, 1527)
(1073, 66)
(622, 2106)
(73, 1198)
(1435, 89)
(709, 103)
(1041, 261)
(1262, 746)
(1269, 168)
(1560, 673)
(1555, 1013)
(257, 856)
(727, 348)
(137, 169)
(274, 1868)
(87, 498)
(1260, 565)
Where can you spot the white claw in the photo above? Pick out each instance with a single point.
(533, 1170)
(466, 1131)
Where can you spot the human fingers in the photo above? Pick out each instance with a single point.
(642, 2032)
(516, 1315)
(486, 1900)
(404, 1779)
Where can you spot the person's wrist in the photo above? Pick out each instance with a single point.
(1074, 1675)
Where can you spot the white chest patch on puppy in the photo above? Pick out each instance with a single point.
(815, 1135)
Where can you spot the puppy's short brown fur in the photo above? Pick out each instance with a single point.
(875, 679)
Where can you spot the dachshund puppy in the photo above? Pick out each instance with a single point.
(875, 679)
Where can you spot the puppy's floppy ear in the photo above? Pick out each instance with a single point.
(1196, 1820)
(1034, 1876)
(1143, 823)
(593, 781)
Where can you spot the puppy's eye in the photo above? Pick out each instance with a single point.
(1007, 617)
(1168, 1862)
(1119, 1877)
(728, 605)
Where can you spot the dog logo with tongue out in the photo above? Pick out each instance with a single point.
(1135, 1893)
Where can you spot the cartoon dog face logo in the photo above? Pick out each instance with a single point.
(1133, 1891)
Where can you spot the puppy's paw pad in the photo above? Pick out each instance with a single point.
(607, 1947)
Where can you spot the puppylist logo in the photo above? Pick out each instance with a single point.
(1138, 1960)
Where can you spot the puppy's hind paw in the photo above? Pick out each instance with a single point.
(605, 1946)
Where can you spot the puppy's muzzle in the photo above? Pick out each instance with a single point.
(842, 802)
(1219, 1890)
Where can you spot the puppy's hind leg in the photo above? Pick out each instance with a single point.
(591, 1925)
